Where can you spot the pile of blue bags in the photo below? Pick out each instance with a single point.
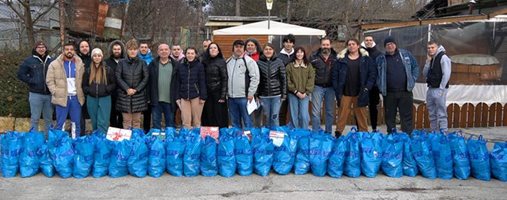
(185, 153)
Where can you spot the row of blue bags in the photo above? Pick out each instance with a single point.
(186, 153)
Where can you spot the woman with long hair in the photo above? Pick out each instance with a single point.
(99, 84)
(215, 108)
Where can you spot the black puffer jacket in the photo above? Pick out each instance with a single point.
(190, 80)
(99, 90)
(216, 75)
(132, 73)
(322, 70)
(273, 77)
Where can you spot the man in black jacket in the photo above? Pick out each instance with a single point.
(373, 52)
(33, 72)
(322, 60)
(116, 52)
(287, 55)
(161, 87)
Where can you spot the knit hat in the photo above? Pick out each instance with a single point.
(389, 39)
(97, 51)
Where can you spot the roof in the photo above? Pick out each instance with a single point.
(276, 28)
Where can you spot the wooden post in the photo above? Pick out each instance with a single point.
(61, 5)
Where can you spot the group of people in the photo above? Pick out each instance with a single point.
(209, 89)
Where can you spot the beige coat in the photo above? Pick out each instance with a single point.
(57, 81)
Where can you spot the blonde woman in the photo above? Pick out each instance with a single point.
(98, 85)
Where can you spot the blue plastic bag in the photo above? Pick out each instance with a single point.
(499, 161)
(337, 157)
(285, 155)
(392, 157)
(371, 153)
(208, 157)
(63, 156)
(352, 167)
(120, 153)
(243, 153)
(302, 163)
(263, 150)
(29, 159)
(321, 145)
(46, 163)
(421, 149)
(441, 149)
(225, 153)
(479, 158)
(11, 148)
(409, 163)
(461, 162)
(84, 148)
(138, 159)
(175, 148)
(101, 155)
(192, 154)
(156, 157)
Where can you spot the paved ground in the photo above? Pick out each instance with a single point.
(256, 187)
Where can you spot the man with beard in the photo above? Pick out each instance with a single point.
(33, 72)
(64, 80)
(116, 52)
(84, 53)
(322, 60)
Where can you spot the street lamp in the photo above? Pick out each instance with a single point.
(269, 5)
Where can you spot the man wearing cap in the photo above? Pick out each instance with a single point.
(33, 72)
(64, 80)
(397, 73)
(242, 84)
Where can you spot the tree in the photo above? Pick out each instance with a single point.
(23, 10)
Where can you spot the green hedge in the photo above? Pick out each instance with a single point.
(13, 92)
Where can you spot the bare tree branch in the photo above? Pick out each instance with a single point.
(45, 12)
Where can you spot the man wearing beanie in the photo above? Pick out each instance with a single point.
(397, 73)
(33, 72)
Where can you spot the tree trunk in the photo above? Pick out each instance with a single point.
(29, 23)
(238, 7)
(288, 11)
(61, 5)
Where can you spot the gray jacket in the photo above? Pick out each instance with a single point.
(445, 62)
(236, 70)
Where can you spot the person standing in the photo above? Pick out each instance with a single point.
(353, 76)
(83, 51)
(99, 83)
(253, 49)
(162, 87)
(272, 88)
(243, 74)
(397, 73)
(322, 60)
(191, 91)
(374, 95)
(300, 83)
(215, 108)
(132, 77)
(64, 80)
(116, 52)
(287, 54)
(32, 71)
(145, 54)
(437, 71)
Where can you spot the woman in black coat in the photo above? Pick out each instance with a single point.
(132, 78)
(215, 109)
(190, 89)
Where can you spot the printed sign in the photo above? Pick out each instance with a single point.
(211, 131)
(117, 134)
(277, 137)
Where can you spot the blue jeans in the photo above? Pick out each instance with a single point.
(299, 116)
(437, 108)
(73, 109)
(239, 114)
(326, 94)
(40, 104)
(157, 111)
(271, 109)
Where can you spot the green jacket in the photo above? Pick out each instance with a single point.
(300, 78)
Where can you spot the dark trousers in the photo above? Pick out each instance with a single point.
(402, 101)
(147, 120)
(116, 118)
(372, 106)
(283, 112)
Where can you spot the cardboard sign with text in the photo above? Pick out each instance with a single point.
(211, 131)
(277, 137)
(117, 134)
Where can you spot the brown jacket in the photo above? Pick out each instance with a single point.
(57, 81)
